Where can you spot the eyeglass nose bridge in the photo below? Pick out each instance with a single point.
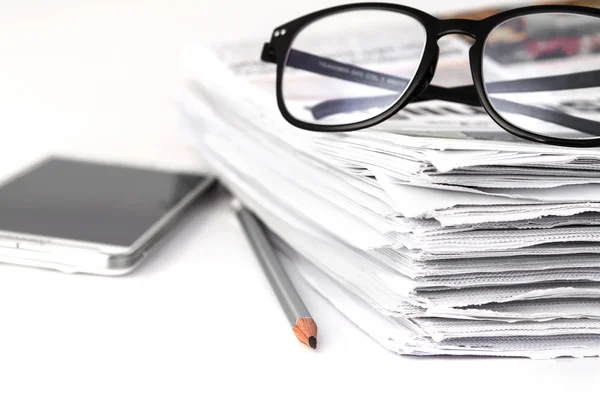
(457, 26)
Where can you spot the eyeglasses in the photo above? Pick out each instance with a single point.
(558, 104)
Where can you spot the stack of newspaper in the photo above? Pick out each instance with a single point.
(435, 232)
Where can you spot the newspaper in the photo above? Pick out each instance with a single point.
(436, 232)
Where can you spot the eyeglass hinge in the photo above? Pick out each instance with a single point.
(268, 53)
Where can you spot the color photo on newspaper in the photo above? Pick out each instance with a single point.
(553, 37)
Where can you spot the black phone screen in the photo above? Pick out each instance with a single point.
(91, 202)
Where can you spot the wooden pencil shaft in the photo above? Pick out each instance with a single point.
(289, 299)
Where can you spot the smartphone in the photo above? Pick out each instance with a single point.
(76, 216)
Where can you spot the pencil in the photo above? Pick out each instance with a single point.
(303, 325)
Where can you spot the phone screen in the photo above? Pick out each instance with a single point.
(91, 202)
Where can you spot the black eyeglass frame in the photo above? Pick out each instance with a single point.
(278, 49)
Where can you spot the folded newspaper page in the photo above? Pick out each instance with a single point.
(435, 232)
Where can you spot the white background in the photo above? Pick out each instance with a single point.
(97, 80)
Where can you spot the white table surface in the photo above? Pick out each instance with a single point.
(97, 80)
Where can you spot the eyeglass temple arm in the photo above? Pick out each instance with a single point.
(335, 69)
(463, 94)
(331, 107)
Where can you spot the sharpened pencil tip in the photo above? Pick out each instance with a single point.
(306, 331)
